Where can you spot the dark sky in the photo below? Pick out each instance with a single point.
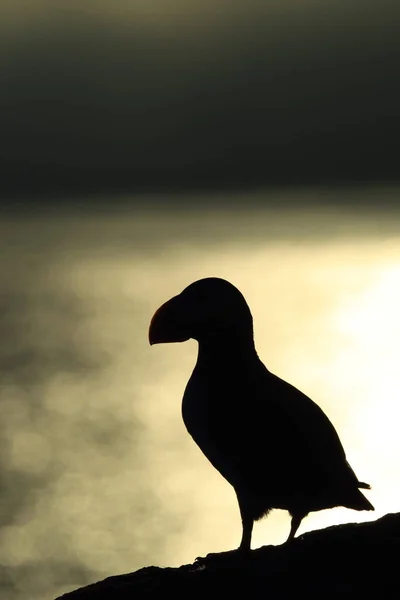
(139, 96)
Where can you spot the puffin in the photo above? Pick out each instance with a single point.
(273, 444)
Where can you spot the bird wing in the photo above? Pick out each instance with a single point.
(320, 461)
(247, 426)
(308, 421)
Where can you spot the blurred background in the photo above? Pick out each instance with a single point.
(147, 145)
(99, 475)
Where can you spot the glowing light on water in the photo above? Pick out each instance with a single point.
(93, 435)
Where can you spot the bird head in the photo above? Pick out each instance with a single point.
(207, 308)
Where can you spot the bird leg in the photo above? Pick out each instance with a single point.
(246, 536)
(247, 524)
(296, 520)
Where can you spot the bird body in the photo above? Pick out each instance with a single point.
(271, 442)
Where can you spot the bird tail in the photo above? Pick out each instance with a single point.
(364, 486)
(364, 503)
(356, 499)
(359, 501)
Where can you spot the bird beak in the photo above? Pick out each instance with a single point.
(167, 324)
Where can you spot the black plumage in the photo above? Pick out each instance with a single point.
(272, 443)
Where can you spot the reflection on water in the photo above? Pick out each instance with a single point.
(98, 473)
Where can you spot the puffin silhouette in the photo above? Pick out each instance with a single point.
(273, 444)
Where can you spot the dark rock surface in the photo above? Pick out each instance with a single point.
(351, 560)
